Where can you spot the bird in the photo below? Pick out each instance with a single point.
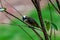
(30, 21)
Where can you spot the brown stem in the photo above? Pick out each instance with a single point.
(37, 5)
(42, 25)
(57, 1)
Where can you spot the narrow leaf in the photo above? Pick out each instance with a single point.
(54, 26)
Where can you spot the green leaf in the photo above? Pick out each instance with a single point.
(47, 25)
(54, 26)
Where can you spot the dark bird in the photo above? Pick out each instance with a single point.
(30, 21)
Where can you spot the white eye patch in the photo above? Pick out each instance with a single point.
(24, 16)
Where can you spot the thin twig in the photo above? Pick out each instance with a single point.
(57, 1)
(54, 7)
(37, 5)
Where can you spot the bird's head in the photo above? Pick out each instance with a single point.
(24, 18)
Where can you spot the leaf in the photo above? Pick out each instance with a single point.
(54, 26)
(47, 25)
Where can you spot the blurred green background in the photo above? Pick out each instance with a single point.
(13, 32)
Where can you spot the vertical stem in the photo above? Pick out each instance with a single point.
(37, 5)
(57, 1)
(42, 25)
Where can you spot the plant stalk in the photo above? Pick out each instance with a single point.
(37, 5)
